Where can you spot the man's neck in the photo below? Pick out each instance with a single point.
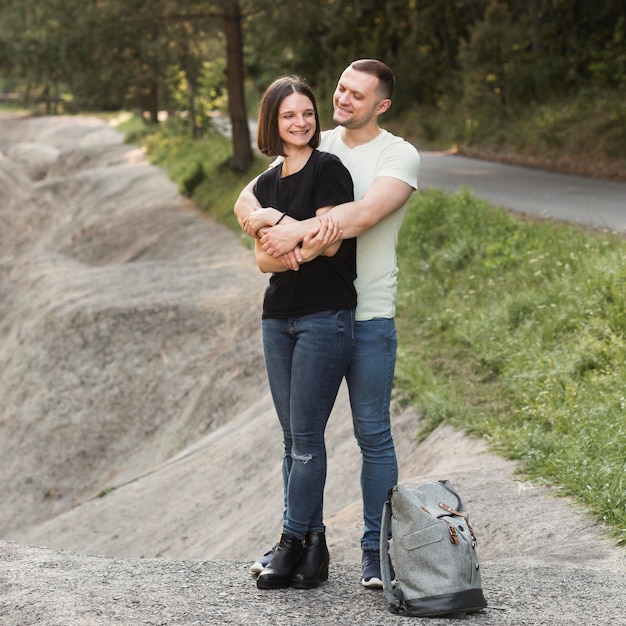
(354, 137)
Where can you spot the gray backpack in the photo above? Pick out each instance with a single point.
(434, 553)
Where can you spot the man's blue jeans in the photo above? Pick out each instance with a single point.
(370, 380)
(306, 359)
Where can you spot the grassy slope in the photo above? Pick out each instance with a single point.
(516, 331)
(584, 135)
(513, 330)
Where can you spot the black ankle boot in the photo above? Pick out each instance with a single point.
(279, 571)
(313, 566)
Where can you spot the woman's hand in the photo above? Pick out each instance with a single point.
(260, 218)
(323, 240)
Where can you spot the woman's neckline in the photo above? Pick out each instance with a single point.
(292, 164)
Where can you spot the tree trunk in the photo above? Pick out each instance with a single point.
(196, 131)
(535, 13)
(242, 150)
(153, 104)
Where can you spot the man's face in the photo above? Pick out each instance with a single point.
(356, 99)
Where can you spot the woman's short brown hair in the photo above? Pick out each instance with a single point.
(268, 137)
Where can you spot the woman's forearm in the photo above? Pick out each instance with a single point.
(246, 203)
(266, 263)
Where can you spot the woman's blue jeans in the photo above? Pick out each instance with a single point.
(370, 381)
(306, 359)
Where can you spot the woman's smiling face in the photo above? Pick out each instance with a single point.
(296, 121)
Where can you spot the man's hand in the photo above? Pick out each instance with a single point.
(283, 238)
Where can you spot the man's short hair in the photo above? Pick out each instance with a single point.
(377, 68)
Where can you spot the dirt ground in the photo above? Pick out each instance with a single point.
(136, 421)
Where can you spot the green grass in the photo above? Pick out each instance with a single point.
(512, 330)
(516, 331)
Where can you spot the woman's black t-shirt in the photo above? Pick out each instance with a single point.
(325, 283)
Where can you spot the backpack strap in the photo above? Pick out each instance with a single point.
(452, 511)
(394, 602)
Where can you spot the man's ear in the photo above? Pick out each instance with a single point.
(383, 106)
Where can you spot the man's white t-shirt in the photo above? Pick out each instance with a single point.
(377, 271)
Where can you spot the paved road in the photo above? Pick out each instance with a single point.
(564, 197)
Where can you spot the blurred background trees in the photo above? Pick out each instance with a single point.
(477, 59)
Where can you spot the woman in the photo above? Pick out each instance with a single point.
(307, 321)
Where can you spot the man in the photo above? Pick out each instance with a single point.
(384, 169)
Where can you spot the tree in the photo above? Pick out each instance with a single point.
(242, 150)
(34, 45)
(154, 54)
(111, 54)
(419, 40)
(230, 15)
(486, 61)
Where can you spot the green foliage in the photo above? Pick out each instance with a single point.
(419, 40)
(517, 331)
(193, 179)
(200, 168)
(585, 134)
(608, 62)
(524, 53)
(486, 59)
(468, 67)
(108, 54)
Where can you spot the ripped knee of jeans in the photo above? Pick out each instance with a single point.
(303, 458)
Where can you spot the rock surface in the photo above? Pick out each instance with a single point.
(138, 442)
